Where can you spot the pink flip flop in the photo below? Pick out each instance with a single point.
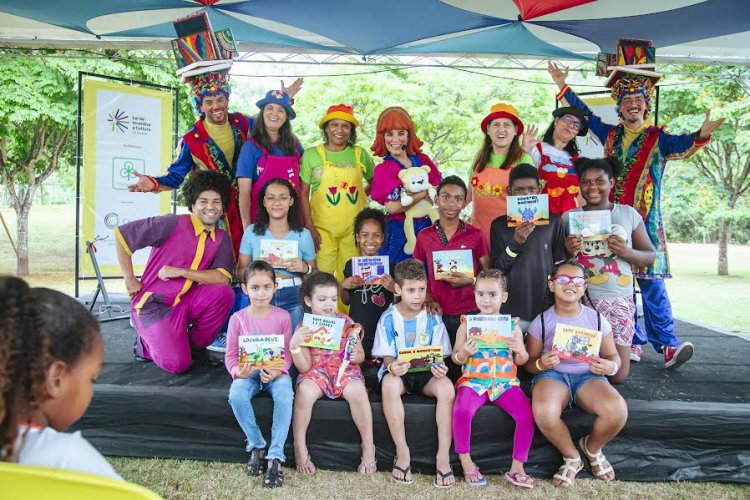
(519, 479)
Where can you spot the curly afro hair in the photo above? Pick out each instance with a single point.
(206, 180)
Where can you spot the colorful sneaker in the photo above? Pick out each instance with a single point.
(674, 357)
(635, 353)
(220, 344)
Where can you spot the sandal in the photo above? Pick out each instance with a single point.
(598, 463)
(274, 477)
(442, 476)
(474, 478)
(519, 479)
(255, 464)
(403, 471)
(306, 467)
(565, 468)
(367, 467)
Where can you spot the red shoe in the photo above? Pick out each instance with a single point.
(674, 357)
(635, 353)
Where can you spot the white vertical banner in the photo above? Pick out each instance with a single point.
(126, 128)
(605, 108)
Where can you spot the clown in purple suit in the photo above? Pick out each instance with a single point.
(183, 298)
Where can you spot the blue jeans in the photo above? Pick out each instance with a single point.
(657, 316)
(241, 394)
(286, 298)
(572, 381)
(289, 300)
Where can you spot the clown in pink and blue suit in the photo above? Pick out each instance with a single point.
(644, 150)
(184, 297)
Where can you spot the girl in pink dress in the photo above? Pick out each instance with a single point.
(319, 370)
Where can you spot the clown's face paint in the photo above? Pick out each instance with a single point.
(633, 109)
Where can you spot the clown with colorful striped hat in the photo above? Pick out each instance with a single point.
(644, 150)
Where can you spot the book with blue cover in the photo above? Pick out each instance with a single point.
(446, 262)
(530, 208)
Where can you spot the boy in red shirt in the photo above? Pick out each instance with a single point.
(452, 290)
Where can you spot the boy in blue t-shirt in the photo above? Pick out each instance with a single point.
(407, 325)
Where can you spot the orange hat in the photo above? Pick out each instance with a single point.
(503, 110)
(340, 112)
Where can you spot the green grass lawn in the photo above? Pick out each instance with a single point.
(189, 479)
(697, 293)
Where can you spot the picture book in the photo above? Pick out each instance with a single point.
(278, 252)
(591, 224)
(370, 269)
(576, 343)
(325, 331)
(489, 331)
(195, 42)
(226, 44)
(262, 351)
(533, 208)
(446, 262)
(421, 358)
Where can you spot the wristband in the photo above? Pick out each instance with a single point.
(473, 281)
(614, 372)
(309, 268)
(296, 351)
(156, 184)
(536, 363)
(388, 367)
(511, 253)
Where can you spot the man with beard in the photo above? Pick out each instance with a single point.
(644, 150)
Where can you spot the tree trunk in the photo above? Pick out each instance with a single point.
(22, 240)
(725, 232)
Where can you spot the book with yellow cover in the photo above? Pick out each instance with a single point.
(576, 343)
(421, 358)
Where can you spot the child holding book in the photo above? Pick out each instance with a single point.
(498, 384)
(321, 374)
(279, 219)
(403, 326)
(368, 302)
(52, 353)
(450, 287)
(258, 319)
(559, 382)
(608, 263)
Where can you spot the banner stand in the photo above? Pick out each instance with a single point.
(80, 157)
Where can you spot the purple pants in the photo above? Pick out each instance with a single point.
(167, 341)
(513, 401)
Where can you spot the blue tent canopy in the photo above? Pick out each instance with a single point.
(566, 29)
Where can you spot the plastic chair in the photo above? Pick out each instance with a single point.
(23, 482)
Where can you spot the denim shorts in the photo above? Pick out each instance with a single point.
(570, 380)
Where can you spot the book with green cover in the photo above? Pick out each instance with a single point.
(325, 331)
(262, 351)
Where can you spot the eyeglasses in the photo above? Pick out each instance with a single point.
(271, 199)
(571, 120)
(564, 279)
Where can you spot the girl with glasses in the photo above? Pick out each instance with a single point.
(608, 262)
(554, 156)
(559, 383)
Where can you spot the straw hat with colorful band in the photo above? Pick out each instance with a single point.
(339, 112)
(278, 97)
(503, 110)
(578, 113)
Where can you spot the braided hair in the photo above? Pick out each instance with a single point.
(23, 360)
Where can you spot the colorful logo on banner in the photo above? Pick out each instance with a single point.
(118, 120)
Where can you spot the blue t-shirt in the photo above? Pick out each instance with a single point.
(250, 244)
(250, 155)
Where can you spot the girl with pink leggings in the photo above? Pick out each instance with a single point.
(490, 374)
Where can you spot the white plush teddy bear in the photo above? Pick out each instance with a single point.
(414, 180)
